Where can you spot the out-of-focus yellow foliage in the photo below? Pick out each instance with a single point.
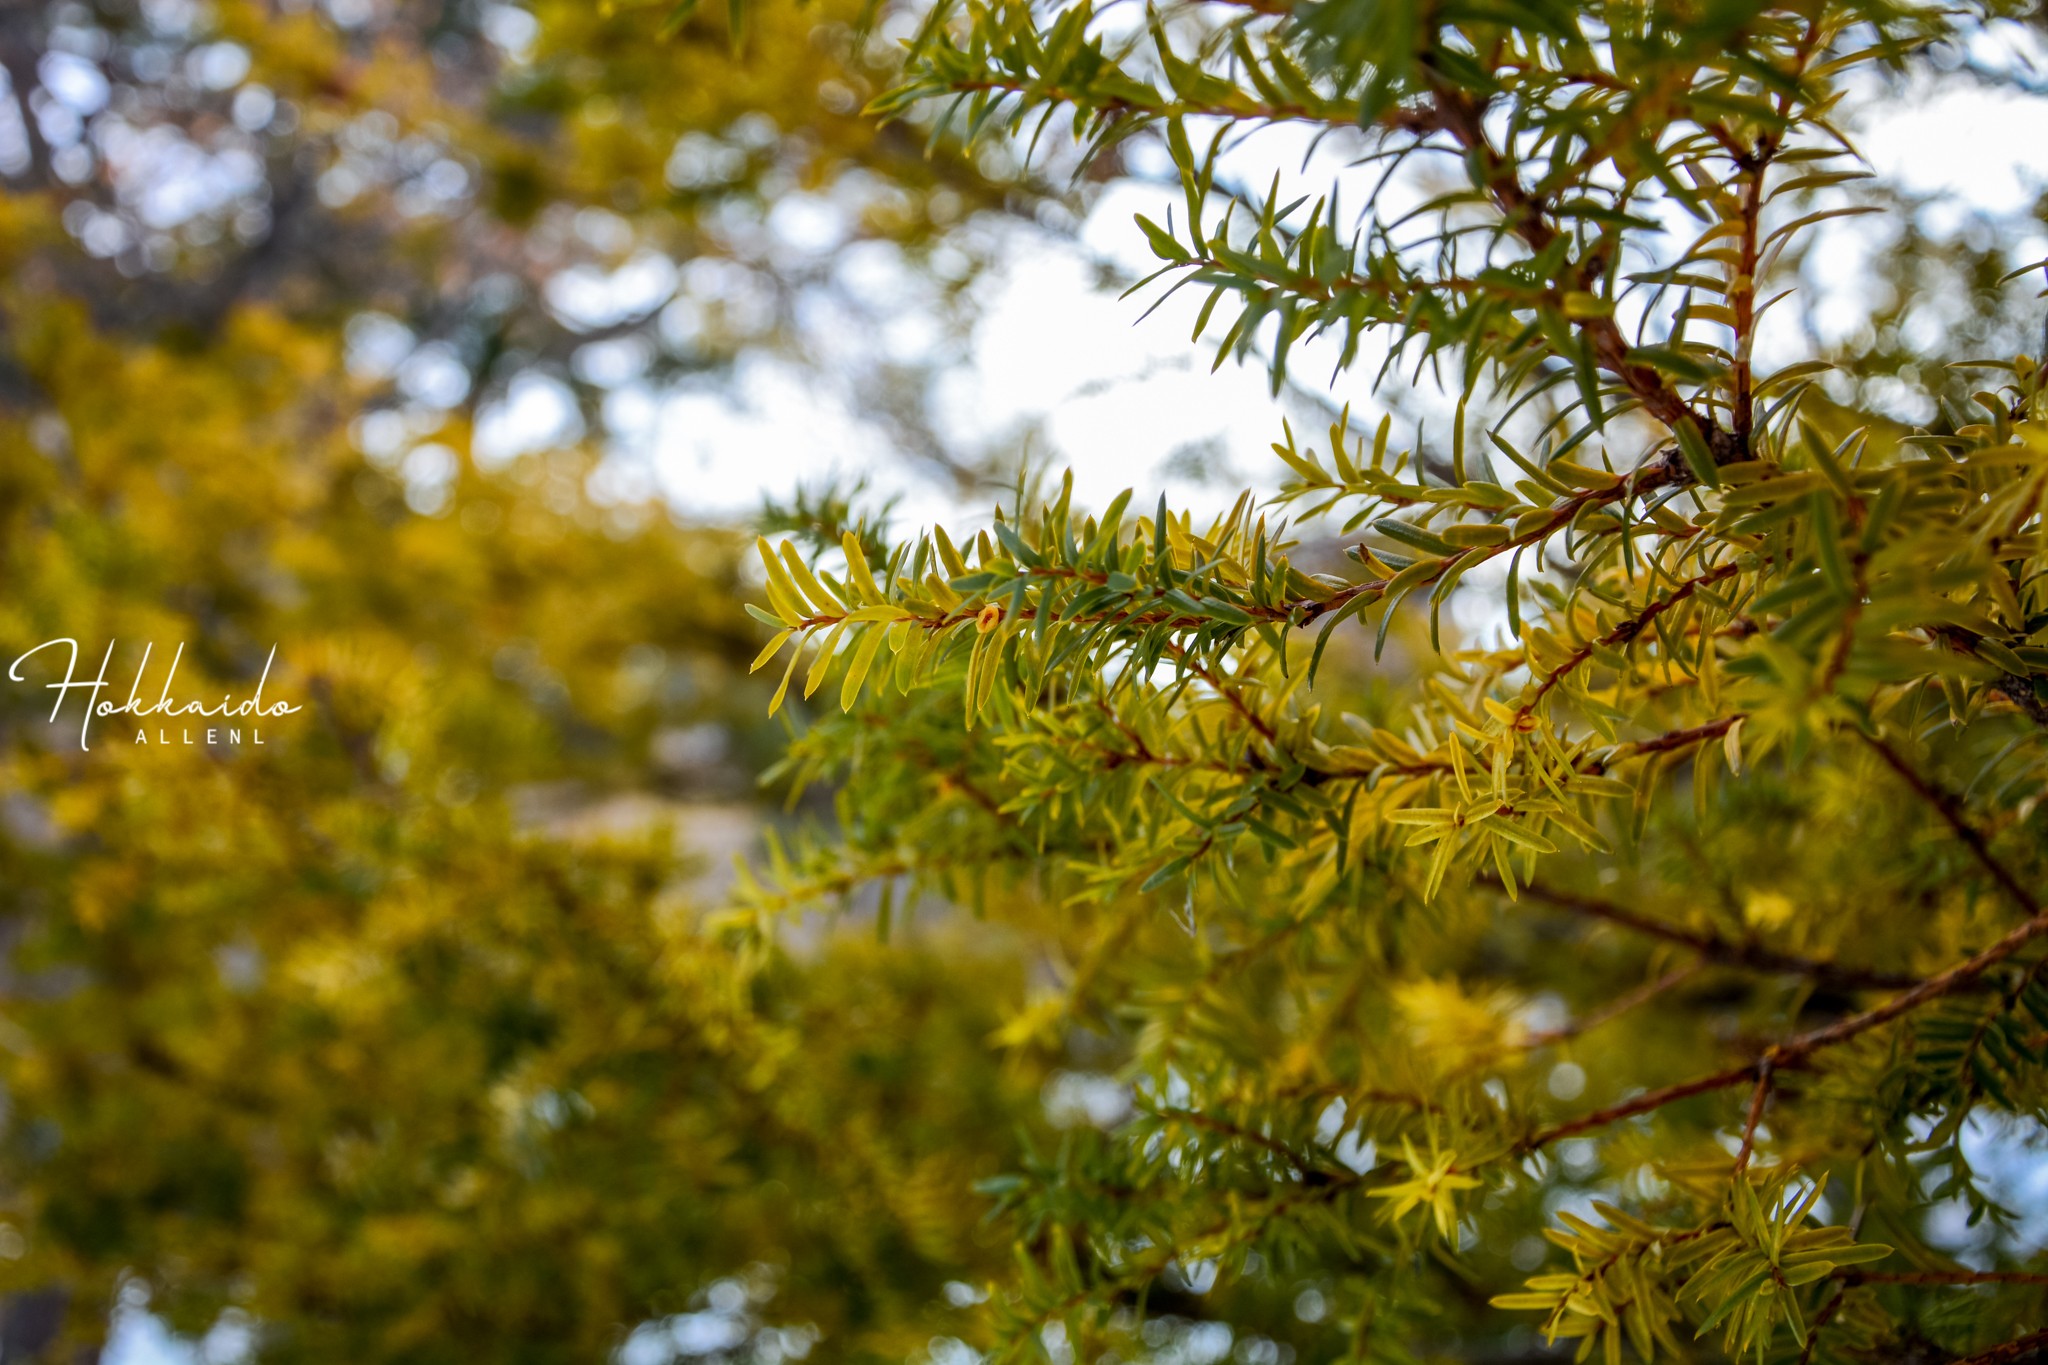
(392, 1034)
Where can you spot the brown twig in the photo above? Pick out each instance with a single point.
(1798, 1049)
(1302, 611)
(2026, 1347)
(1754, 164)
(1961, 1277)
(1526, 214)
(1675, 739)
(1228, 694)
(1225, 1128)
(1640, 1104)
(1623, 633)
(1950, 808)
(1614, 1008)
(1721, 951)
(1757, 1099)
(1820, 1320)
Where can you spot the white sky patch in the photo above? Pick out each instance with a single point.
(588, 297)
(537, 412)
(768, 430)
(1117, 399)
(1985, 147)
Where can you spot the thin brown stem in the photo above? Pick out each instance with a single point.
(1755, 164)
(1614, 1008)
(1724, 952)
(1644, 1103)
(1799, 1048)
(1224, 1128)
(1820, 1320)
(1664, 743)
(1297, 612)
(2028, 1347)
(1114, 105)
(1958, 977)
(1742, 289)
(1950, 808)
(1622, 634)
(1526, 214)
(1229, 694)
(1757, 1099)
(1961, 1277)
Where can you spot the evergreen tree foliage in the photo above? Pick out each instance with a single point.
(1640, 975)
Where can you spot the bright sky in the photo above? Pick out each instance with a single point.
(1116, 398)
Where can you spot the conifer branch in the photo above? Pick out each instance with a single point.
(1953, 1277)
(1629, 628)
(2028, 1347)
(1646, 1103)
(1223, 1127)
(1229, 830)
(1114, 106)
(1950, 808)
(1615, 1008)
(1765, 1070)
(1747, 955)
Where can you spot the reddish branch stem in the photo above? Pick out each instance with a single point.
(1723, 952)
(1757, 1099)
(1950, 808)
(1623, 633)
(1615, 1008)
(1960, 1277)
(1802, 1046)
(2032, 1345)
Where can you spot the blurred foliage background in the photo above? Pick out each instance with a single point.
(399, 1038)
